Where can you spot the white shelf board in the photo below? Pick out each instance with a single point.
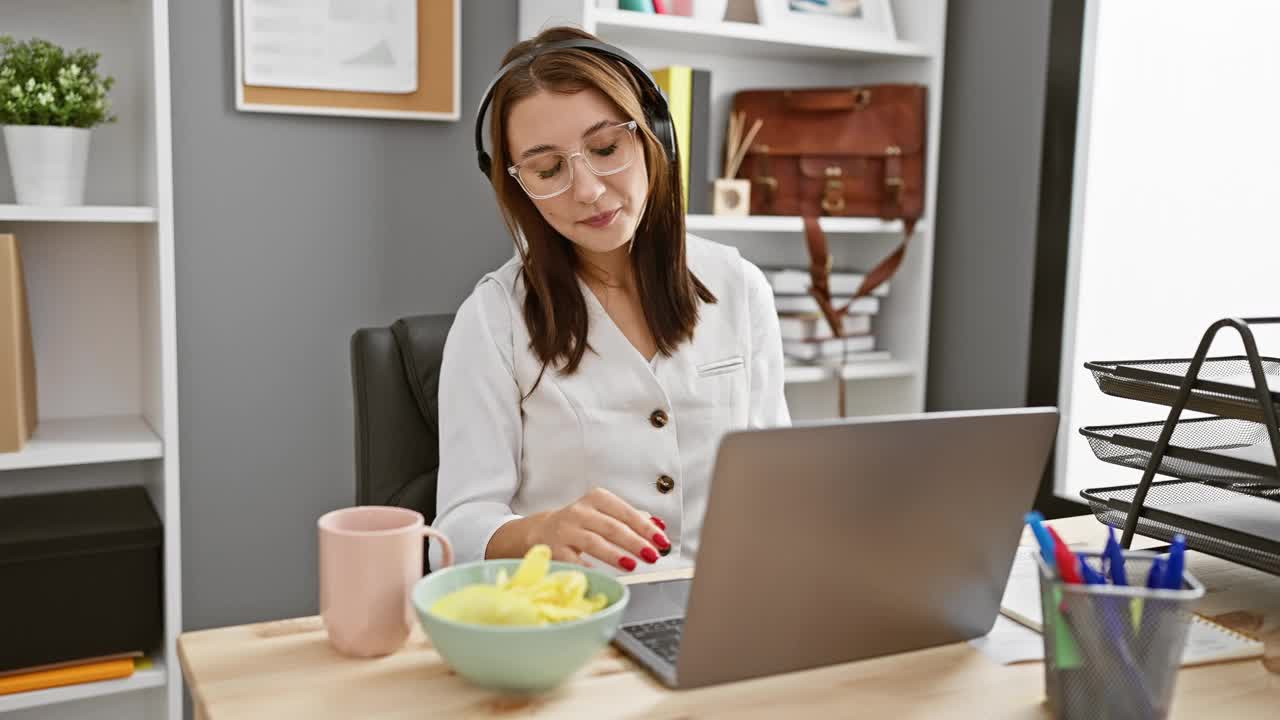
(82, 441)
(152, 677)
(79, 213)
(792, 223)
(855, 371)
(674, 32)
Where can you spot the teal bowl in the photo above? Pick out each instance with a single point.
(517, 659)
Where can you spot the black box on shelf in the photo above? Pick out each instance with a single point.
(80, 576)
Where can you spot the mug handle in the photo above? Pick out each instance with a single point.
(446, 548)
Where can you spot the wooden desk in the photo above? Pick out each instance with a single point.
(286, 669)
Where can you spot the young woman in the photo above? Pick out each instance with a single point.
(586, 383)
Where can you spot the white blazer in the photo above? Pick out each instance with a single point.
(603, 425)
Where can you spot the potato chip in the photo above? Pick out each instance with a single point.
(533, 567)
(533, 596)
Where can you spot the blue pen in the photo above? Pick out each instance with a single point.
(1155, 577)
(1115, 557)
(1111, 608)
(1036, 521)
(1091, 576)
(1177, 561)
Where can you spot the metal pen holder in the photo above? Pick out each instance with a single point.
(1113, 652)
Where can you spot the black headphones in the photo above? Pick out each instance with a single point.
(656, 112)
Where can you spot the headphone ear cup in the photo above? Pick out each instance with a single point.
(662, 129)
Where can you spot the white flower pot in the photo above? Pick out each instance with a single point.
(47, 163)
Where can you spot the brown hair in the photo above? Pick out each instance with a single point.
(555, 310)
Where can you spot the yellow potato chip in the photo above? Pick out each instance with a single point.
(533, 567)
(486, 605)
(532, 596)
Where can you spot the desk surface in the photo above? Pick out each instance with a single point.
(287, 669)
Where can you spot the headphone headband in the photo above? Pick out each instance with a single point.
(652, 99)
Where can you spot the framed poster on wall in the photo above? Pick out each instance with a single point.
(363, 58)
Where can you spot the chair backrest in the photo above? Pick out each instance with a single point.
(395, 374)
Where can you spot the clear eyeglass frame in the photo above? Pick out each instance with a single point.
(514, 170)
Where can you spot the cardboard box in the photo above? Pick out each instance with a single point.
(17, 360)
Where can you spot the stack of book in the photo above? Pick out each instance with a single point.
(806, 335)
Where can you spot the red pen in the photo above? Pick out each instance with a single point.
(1065, 560)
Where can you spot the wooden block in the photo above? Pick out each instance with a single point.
(731, 196)
(17, 361)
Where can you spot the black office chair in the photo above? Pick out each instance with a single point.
(395, 373)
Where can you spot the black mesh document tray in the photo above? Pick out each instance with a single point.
(1224, 385)
(1224, 451)
(1237, 524)
(1228, 465)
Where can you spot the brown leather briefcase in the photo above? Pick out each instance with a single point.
(839, 151)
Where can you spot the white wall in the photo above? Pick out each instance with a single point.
(1176, 184)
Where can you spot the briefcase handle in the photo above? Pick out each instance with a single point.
(844, 99)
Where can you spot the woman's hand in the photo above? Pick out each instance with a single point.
(599, 524)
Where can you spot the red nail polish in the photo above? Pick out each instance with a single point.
(661, 541)
(649, 555)
(658, 521)
(627, 563)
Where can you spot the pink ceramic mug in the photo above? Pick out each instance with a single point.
(370, 557)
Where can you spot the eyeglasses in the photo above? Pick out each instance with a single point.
(606, 151)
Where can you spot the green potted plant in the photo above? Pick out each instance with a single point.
(50, 99)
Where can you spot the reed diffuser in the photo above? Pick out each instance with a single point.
(732, 195)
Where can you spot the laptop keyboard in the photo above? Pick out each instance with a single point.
(662, 637)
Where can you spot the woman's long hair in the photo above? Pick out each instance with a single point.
(555, 310)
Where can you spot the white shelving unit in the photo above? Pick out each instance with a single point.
(793, 224)
(744, 55)
(84, 213)
(86, 441)
(627, 28)
(149, 679)
(100, 281)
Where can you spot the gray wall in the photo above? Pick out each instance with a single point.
(988, 190)
(293, 231)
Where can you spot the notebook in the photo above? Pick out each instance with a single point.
(805, 304)
(817, 327)
(831, 348)
(1207, 641)
(796, 281)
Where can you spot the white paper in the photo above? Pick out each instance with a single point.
(1008, 642)
(354, 45)
(1021, 599)
(1208, 642)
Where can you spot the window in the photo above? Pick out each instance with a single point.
(1177, 182)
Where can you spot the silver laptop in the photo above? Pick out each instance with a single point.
(825, 543)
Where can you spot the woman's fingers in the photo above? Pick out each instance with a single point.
(621, 535)
(597, 546)
(564, 553)
(607, 528)
(640, 524)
